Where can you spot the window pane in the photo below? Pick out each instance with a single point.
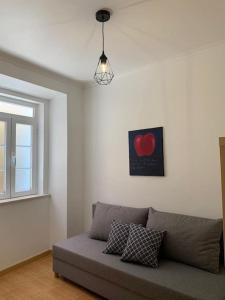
(16, 109)
(23, 135)
(23, 157)
(2, 132)
(2, 182)
(23, 171)
(23, 180)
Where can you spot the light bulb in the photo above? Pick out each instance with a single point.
(103, 67)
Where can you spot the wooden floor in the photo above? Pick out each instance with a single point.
(36, 281)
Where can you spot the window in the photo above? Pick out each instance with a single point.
(18, 148)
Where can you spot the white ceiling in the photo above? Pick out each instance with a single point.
(63, 35)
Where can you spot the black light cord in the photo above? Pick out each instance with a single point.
(103, 38)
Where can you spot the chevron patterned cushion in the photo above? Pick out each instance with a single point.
(117, 238)
(143, 246)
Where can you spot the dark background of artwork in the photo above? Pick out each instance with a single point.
(148, 165)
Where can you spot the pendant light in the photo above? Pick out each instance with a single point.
(103, 74)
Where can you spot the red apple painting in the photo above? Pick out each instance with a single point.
(144, 144)
(146, 152)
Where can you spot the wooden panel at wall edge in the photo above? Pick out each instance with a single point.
(222, 163)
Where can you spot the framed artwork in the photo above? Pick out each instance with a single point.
(146, 152)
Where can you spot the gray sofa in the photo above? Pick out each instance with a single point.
(81, 260)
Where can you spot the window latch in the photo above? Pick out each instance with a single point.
(13, 160)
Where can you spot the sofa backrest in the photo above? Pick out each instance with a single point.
(221, 243)
(222, 251)
(105, 214)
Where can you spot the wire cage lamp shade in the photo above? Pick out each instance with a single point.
(103, 74)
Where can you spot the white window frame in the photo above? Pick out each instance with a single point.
(5, 117)
(11, 121)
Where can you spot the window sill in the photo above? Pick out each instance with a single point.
(30, 197)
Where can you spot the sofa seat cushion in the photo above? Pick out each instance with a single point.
(171, 281)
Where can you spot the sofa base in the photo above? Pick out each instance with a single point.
(81, 260)
(93, 283)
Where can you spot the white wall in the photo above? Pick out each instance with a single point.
(25, 229)
(186, 96)
(58, 169)
(75, 209)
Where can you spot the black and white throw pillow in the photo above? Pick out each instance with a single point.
(117, 238)
(143, 246)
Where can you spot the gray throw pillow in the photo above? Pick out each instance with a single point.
(191, 240)
(143, 246)
(117, 238)
(105, 214)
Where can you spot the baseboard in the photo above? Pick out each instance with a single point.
(25, 262)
